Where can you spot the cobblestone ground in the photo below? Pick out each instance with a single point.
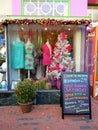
(46, 117)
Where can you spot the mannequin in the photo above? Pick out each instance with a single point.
(47, 51)
(18, 55)
(30, 53)
(28, 42)
(18, 39)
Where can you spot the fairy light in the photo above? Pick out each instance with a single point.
(45, 28)
(69, 29)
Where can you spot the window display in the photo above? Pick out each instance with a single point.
(61, 58)
(30, 53)
(17, 54)
(3, 62)
(37, 51)
(47, 52)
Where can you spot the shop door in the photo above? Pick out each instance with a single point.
(95, 90)
(97, 65)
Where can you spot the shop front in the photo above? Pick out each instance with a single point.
(42, 48)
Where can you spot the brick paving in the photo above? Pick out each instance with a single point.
(46, 117)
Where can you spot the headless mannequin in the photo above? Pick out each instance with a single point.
(18, 39)
(30, 54)
(28, 42)
(46, 60)
(18, 51)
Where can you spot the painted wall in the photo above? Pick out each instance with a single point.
(5, 7)
(13, 7)
(16, 7)
(78, 7)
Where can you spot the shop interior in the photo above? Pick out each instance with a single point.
(66, 46)
(71, 37)
(3, 66)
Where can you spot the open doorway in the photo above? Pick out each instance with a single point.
(95, 90)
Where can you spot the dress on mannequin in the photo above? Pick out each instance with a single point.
(30, 53)
(46, 56)
(17, 54)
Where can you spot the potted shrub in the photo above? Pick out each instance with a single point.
(42, 84)
(25, 92)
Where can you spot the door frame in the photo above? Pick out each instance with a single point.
(95, 59)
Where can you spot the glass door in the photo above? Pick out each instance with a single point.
(95, 90)
(97, 64)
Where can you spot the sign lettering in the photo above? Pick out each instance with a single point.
(75, 93)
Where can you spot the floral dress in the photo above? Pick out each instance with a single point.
(30, 53)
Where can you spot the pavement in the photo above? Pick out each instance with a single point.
(46, 117)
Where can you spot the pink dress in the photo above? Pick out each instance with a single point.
(46, 55)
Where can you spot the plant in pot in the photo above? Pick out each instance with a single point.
(42, 84)
(25, 92)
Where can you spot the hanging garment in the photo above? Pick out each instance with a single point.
(46, 55)
(30, 53)
(18, 55)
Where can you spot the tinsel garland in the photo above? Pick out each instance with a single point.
(47, 22)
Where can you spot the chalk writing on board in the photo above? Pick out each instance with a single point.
(81, 80)
(75, 92)
(75, 75)
(75, 88)
(74, 98)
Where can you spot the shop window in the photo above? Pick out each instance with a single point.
(3, 61)
(65, 51)
(46, 8)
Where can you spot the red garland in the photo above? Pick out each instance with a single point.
(47, 21)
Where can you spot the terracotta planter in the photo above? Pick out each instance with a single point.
(26, 107)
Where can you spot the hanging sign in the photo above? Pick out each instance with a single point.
(75, 94)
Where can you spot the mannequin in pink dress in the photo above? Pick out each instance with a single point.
(47, 51)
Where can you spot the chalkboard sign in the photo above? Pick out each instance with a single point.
(75, 94)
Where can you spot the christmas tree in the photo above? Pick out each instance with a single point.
(61, 60)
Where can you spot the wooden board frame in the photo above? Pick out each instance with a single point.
(74, 79)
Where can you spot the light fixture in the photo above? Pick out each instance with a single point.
(45, 29)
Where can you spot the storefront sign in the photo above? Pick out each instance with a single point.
(75, 94)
